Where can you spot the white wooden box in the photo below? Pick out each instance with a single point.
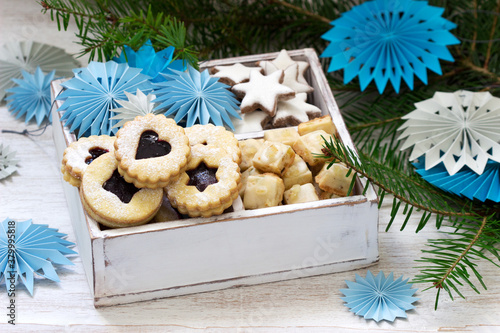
(234, 249)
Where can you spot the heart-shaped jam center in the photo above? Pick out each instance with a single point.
(150, 146)
(119, 187)
(95, 153)
(202, 176)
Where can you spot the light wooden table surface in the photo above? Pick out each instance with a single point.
(302, 305)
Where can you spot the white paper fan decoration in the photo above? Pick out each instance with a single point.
(458, 129)
(27, 55)
(137, 105)
(8, 161)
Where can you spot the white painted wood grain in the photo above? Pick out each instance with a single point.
(303, 305)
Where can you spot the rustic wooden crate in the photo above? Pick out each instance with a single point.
(234, 249)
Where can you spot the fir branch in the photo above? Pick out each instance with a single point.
(395, 183)
(492, 35)
(439, 283)
(302, 11)
(106, 26)
(454, 255)
(373, 124)
(482, 70)
(72, 12)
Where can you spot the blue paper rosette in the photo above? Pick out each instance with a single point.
(385, 41)
(198, 96)
(31, 96)
(92, 93)
(28, 249)
(152, 63)
(379, 297)
(17, 56)
(465, 183)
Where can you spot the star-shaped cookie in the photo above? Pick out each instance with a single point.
(251, 122)
(295, 111)
(234, 74)
(263, 92)
(283, 61)
(290, 77)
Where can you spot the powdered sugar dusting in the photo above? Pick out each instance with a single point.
(77, 152)
(157, 169)
(221, 194)
(216, 136)
(107, 205)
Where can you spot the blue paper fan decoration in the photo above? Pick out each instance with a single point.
(152, 63)
(388, 40)
(379, 298)
(34, 248)
(92, 93)
(197, 95)
(31, 96)
(466, 182)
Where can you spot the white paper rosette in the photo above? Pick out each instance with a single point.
(27, 55)
(457, 129)
(139, 104)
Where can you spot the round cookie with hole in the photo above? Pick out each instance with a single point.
(208, 186)
(110, 200)
(151, 151)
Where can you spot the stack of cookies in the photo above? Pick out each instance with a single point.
(122, 180)
(273, 93)
(286, 167)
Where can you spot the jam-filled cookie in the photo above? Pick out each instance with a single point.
(110, 200)
(216, 136)
(209, 185)
(79, 154)
(151, 151)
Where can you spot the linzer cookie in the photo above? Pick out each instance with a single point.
(216, 136)
(110, 200)
(151, 151)
(79, 154)
(209, 185)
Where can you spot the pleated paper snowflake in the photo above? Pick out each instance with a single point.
(31, 96)
(198, 96)
(466, 182)
(379, 298)
(137, 105)
(28, 55)
(27, 249)
(457, 129)
(152, 63)
(7, 161)
(388, 40)
(94, 91)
